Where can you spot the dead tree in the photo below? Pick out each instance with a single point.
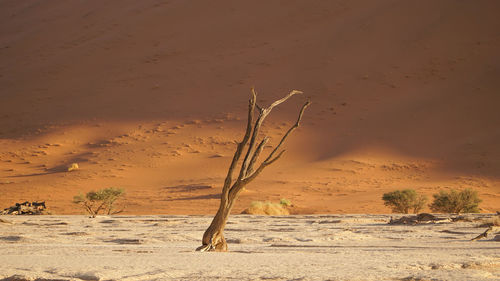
(26, 208)
(213, 238)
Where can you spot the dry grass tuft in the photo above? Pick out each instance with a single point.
(266, 208)
(73, 167)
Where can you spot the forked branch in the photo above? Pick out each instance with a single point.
(247, 173)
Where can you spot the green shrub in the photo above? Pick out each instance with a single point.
(402, 201)
(465, 201)
(101, 200)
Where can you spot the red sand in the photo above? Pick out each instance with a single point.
(147, 95)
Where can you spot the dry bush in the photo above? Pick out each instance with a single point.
(266, 208)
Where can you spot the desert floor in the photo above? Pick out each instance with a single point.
(151, 96)
(304, 247)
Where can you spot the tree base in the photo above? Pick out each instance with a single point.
(221, 247)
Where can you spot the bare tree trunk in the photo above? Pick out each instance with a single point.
(213, 238)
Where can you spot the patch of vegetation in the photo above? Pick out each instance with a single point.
(285, 202)
(73, 167)
(269, 208)
(454, 201)
(101, 200)
(402, 201)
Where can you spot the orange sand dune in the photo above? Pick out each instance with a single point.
(151, 95)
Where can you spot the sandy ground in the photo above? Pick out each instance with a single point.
(150, 96)
(326, 247)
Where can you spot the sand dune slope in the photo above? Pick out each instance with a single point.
(151, 95)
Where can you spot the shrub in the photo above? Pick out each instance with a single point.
(101, 200)
(465, 201)
(402, 201)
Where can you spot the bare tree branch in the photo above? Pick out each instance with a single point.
(289, 130)
(261, 168)
(241, 145)
(278, 102)
(484, 234)
(256, 154)
(246, 160)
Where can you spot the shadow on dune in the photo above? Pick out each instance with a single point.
(199, 197)
(190, 188)
(416, 78)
